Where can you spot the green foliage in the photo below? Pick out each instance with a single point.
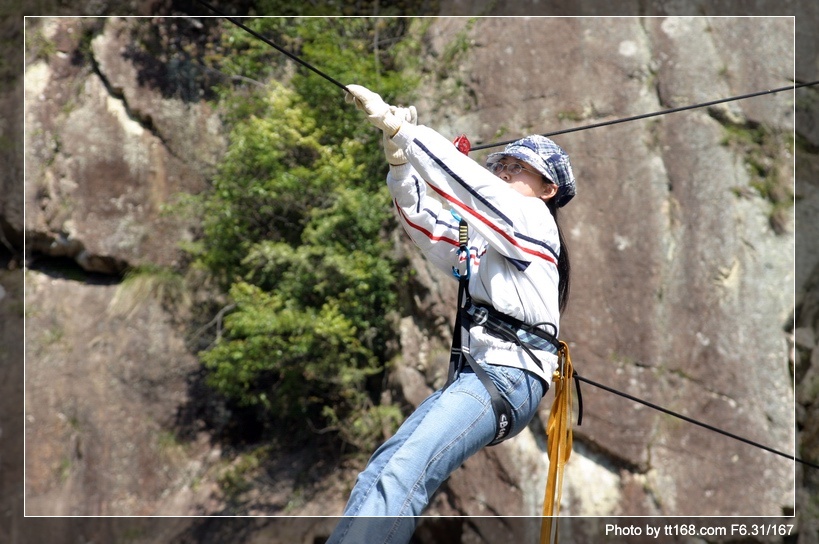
(365, 51)
(761, 148)
(294, 229)
(287, 360)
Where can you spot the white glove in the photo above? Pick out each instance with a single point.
(378, 112)
(395, 155)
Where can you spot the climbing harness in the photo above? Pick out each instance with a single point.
(460, 354)
(530, 338)
(559, 435)
(559, 419)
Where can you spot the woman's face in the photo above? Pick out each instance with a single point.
(528, 181)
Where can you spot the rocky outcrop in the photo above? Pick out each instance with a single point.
(104, 392)
(107, 150)
(682, 242)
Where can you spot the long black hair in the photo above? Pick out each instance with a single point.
(564, 268)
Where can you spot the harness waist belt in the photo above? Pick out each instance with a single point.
(512, 330)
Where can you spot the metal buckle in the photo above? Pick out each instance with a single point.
(480, 315)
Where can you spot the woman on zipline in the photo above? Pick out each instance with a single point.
(517, 284)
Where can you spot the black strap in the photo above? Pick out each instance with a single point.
(528, 337)
(455, 352)
(455, 356)
(501, 407)
(459, 354)
(579, 399)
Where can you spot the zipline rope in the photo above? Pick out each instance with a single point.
(273, 45)
(692, 420)
(565, 131)
(548, 134)
(661, 112)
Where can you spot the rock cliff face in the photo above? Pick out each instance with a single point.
(108, 149)
(682, 243)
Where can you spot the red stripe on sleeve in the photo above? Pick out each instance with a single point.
(486, 221)
(426, 232)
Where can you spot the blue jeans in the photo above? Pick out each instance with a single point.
(445, 429)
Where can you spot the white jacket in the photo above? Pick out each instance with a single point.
(514, 242)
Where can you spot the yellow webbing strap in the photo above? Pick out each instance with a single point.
(559, 443)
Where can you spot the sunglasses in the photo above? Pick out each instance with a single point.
(512, 167)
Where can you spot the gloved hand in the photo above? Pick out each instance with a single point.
(388, 118)
(378, 112)
(395, 155)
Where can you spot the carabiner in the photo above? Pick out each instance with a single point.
(463, 258)
(463, 248)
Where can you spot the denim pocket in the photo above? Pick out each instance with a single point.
(505, 377)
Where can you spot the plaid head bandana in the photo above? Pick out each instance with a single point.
(548, 158)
